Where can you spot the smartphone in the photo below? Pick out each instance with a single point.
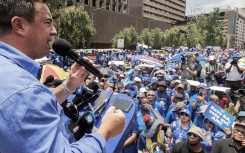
(122, 104)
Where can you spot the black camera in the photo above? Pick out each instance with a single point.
(183, 59)
(233, 62)
(240, 92)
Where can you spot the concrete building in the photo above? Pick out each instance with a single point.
(170, 11)
(234, 24)
(110, 16)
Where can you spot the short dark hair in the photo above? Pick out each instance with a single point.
(11, 8)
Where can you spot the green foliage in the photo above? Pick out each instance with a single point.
(74, 25)
(129, 35)
(157, 38)
(211, 28)
(203, 30)
(146, 37)
(56, 5)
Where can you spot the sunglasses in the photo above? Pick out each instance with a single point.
(192, 134)
(242, 133)
(150, 95)
(177, 98)
(184, 114)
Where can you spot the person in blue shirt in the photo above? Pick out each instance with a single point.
(155, 104)
(202, 98)
(173, 114)
(199, 118)
(177, 98)
(192, 91)
(145, 108)
(211, 135)
(177, 131)
(30, 114)
(57, 59)
(163, 97)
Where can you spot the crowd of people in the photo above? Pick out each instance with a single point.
(170, 111)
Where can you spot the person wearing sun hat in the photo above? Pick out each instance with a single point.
(152, 136)
(178, 129)
(235, 144)
(192, 145)
(214, 72)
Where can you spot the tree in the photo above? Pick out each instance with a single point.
(146, 37)
(210, 27)
(56, 5)
(74, 25)
(173, 37)
(129, 35)
(157, 38)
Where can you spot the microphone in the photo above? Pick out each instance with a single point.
(64, 48)
(87, 94)
(49, 80)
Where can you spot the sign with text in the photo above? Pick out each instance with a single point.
(219, 116)
(120, 43)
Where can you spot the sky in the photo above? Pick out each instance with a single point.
(204, 6)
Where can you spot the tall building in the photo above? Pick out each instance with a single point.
(170, 11)
(112, 5)
(234, 24)
(109, 17)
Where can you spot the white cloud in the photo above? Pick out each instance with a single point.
(204, 6)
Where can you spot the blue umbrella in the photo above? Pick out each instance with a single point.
(177, 57)
(201, 58)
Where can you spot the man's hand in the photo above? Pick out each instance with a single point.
(227, 132)
(112, 123)
(243, 142)
(200, 98)
(77, 75)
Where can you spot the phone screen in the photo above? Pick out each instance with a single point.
(122, 104)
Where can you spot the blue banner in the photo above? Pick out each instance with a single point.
(219, 116)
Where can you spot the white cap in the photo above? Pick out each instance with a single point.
(143, 89)
(121, 75)
(211, 58)
(177, 81)
(136, 79)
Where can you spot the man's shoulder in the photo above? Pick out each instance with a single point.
(180, 147)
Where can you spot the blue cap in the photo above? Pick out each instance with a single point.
(241, 114)
(168, 77)
(236, 55)
(154, 79)
(146, 79)
(186, 111)
(204, 86)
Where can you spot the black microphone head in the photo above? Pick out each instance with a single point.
(62, 46)
(93, 86)
(49, 79)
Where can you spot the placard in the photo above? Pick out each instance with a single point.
(219, 116)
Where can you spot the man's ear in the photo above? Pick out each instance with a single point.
(19, 25)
